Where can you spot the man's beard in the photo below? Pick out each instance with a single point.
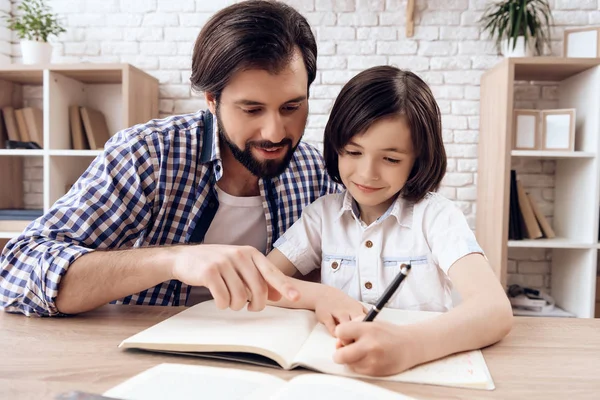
(262, 169)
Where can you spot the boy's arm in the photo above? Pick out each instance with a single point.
(331, 305)
(309, 291)
(483, 318)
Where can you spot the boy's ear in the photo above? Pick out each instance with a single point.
(211, 101)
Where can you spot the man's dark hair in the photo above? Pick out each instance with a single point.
(250, 35)
(387, 92)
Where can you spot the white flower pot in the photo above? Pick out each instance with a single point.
(34, 52)
(522, 49)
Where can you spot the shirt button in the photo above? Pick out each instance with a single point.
(218, 168)
(334, 265)
(211, 205)
(369, 244)
(368, 285)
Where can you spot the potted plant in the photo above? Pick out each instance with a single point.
(33, 26)
(520, 28)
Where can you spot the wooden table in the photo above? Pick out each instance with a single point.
(542, 358)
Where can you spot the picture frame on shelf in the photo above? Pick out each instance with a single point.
(582, 42)
(526, 129)
(558, 129)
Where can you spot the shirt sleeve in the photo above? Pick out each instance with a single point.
(301, 243)
(448, 234)
(108, 207)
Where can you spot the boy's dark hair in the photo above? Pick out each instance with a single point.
(250, 35)
(384, 92)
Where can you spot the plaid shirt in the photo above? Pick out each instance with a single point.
(151, 186)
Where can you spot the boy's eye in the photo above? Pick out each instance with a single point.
(392, 160)
(352, 153)
(251, 110)
(291, 107)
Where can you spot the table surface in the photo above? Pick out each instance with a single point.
(542, 358)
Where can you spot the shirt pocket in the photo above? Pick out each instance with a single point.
(420, 290)
(338, 270)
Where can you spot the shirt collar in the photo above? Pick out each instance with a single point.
(400, 209)
(210, 144)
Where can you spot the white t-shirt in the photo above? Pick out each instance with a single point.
(238, 221)
(363, 260)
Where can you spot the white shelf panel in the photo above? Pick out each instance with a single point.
(8, 235)
(556, 312)
(21, 152)
(75, 153)
(552, 154)
(554, 243)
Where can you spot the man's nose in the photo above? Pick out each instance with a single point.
(273, 129)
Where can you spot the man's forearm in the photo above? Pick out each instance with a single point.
(100, 277)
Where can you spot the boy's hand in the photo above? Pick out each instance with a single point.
(335, 307)
(376, 348)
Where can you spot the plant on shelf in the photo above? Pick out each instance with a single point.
(519, 28)
(34, 25)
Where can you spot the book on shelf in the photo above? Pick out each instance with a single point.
(179, 381)
(95, 127)
(291, 338)
(526, 219)
(21, 125)
(19, 214)
(541, 218)
(24, 125)
(515, 221)
(532, 228)
(78, 137)
(10, 121)
(3, 133)
(34, 121)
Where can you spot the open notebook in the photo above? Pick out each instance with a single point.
(292, 338)
(177, 381)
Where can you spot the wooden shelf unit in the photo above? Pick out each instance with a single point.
(577, 176)
(124, 94)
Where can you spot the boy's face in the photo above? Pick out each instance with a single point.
(262, 116)
(375, 166)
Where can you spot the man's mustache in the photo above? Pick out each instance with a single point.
(271, 145)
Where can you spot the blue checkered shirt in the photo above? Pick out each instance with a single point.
(150, 187)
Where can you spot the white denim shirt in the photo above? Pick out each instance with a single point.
(362, 260)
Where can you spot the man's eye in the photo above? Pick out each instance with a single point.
(251, 110)
(353, 153)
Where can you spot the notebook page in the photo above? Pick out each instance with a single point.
(178, 381)
(467, 369)
(277, 333)
(313, 386)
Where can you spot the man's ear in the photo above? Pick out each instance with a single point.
(211, 101)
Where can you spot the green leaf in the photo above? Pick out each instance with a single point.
(36, 21)
(509, 19)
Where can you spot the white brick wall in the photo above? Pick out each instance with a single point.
(5, 34)
(447, 50)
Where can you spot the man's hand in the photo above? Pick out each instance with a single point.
(233, 274)
(376, 348)
(334, 307)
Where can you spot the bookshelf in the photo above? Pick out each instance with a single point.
(124, 94)
(577, 175)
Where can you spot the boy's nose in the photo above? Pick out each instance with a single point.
(368, 170)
